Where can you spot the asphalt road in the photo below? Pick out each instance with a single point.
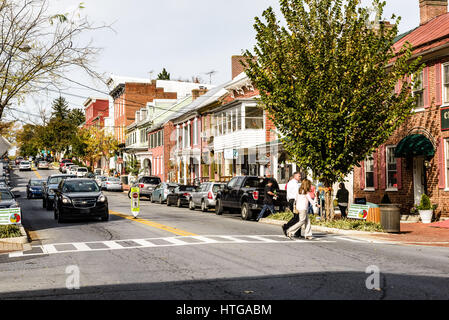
(172, 253)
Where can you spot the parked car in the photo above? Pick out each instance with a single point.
(146, 185)
(205, 196)
(25, 165)
(72, 169)
(66, 167)
(90, 175)
(8, 199)
(180, 196)
(80, 198)
(81, 172)
(161, 191)
(112, 184)
(48, 194)
(43, 165)
(247, 194)
(98, 172)
(35, 188)
(63, 162)
(18, 160)
(100, 179)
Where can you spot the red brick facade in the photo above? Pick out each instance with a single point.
(95, 112)
(430, 9)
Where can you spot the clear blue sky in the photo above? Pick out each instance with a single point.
(188, 37)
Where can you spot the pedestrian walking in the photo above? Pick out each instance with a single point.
(292, 190)
(343, 199)
(302, 202)
(268, 201)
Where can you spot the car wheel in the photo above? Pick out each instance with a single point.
(105, 218)
(129, 194)
(179, 203)
(160, 200)
(55, 214)
(28, 196)
(203, 206)
(44, 203)
(218, 208)
(168, 202)
(191, 205)
(246, 212)
(60, 218)
(49, 205)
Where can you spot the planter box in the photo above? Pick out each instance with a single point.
(426, 216)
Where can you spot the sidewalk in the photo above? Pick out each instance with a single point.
(418, 234)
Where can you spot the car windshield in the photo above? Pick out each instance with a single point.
(25, 162)
(6, 195)
(56, 180)
(149, 180)
(259, 183)
(114, 179)
(187, 188)
(42, 162)
(80, 186)
(82, 170)
(36, 183)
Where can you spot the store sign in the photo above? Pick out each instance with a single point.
(358, 211)
(445, 119)
(231, 154)
(10, 216)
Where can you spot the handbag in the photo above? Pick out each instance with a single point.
(295, 210)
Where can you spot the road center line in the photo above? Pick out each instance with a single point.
(154, 224)
(37, 173)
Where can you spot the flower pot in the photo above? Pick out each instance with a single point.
(426, 216)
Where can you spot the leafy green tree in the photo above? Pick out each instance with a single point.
(77, 117)
(60, 109)
(164, 75)
(327, 78)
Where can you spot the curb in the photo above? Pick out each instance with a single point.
(324, 229)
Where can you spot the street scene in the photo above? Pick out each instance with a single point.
(313, 164)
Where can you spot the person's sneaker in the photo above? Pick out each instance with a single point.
(284, 229)
(309, 238)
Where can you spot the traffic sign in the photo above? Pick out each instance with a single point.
(135, 201)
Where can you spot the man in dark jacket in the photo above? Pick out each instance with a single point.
(343, 199)
(268, 203)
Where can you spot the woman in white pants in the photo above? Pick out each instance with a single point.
(302, 204)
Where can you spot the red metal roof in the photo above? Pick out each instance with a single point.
(427, 36)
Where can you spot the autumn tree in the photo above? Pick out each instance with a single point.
(327, 78)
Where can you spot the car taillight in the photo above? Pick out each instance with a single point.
(186, 194)
(141, 186)
(256, 195)
(210, 196)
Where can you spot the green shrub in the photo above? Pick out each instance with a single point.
(425, 203)
(10, 231)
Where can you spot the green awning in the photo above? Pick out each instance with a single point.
(414, 146)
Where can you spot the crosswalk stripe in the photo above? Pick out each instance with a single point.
(262, 239)
(112, 245)
(233, 239)
(205, 239)
(49, 249)
(81, 246)
(144, 243)
(175, 241)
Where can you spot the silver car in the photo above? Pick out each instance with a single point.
(112, 184)
(205, 196)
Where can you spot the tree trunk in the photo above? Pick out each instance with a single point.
(329, 203)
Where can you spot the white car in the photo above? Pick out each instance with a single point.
(25, 165)
(43, 165)
(81, 172)
(72, 170)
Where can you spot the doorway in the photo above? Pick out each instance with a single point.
(419, 179)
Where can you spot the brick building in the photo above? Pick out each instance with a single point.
(415, 160)
(96, 110)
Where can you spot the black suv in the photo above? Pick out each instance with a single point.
(80, 198)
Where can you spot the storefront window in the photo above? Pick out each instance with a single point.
(392, 179)
(253, 117)
(369, 173)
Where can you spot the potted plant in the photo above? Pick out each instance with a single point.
(426, 209)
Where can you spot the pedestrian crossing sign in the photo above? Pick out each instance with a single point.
(135, 201)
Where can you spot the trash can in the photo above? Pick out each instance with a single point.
(390, 218)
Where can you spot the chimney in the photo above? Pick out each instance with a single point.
(430, 9)
(196, 93)
(237, 67)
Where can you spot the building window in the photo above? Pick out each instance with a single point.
(253, 117)
(369, 173)
(195, 131)
(178, 138)
(229, 121)
(446, 83)
(392, 173)
(418, 91)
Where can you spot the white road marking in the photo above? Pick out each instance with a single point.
(51, 249)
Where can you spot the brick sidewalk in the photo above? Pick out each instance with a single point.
(9, 247)
(420, 234)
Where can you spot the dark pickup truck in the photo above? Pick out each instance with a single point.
(247, 194)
